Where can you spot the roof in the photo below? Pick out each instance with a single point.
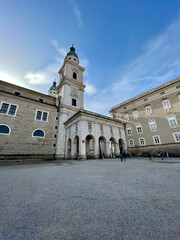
(53, 86)
(83, 111)
(153, 90)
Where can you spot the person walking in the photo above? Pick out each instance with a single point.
(124, 156)
(121, 156)
(149, 156)
(162, 155)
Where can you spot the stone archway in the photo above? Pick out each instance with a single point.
(112, 144)
(76, 147)
(90, 147)
(121, 145)
(102, 147)
(69, 148)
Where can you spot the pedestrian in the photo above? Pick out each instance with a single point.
(124, 156)
(121, 156)
(149, 156)
(162, 155)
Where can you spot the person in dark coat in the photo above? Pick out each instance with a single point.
(149, 156)
(124, 156)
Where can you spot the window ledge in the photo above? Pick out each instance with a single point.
(174, 126)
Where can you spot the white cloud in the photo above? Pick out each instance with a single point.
(90, 88)
(47, 74)
(77, 12)
(61, 51)
(10, 79)
(159, 62)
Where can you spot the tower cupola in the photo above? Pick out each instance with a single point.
(52, 91)
(72, 55)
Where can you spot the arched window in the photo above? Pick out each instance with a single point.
(38, 133)
(4, 129)
(74, 75)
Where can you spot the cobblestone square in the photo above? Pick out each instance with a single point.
(87, 200)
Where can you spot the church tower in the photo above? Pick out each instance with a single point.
(70, 95)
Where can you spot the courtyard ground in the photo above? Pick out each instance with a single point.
(87, 200)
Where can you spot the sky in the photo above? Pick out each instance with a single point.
(127, 47)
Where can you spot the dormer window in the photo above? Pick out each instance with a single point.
(41, 100)
(74, 75)
(17, 93)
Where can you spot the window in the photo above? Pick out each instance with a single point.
(156, 139)
(177, 136)
(55, 136)
(101, 128)
(74, 102)
(41, 116)
(38, 133)
(41, 100)
(131, 143)
(148, 110)
(139, 128)
(152, 125)
(172, 121)
(89, 126)
(56, 118)
(8, 109)
(126, 117)
(55, 127)
(4, 129)
(54, 145)
(74, 75)
(135, 114)
(166, 104)
(129, 131)
(17, 93)
(142, 141)
(69, 58)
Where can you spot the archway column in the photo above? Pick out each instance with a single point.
(96, 148)
(108, 148)
(82, 148)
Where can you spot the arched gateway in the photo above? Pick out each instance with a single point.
(76, 146)
(69, 148)
(102, 147)
(90, 147)
(112, 143)
(121, 145)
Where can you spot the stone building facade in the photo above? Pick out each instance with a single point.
(23, 115)
(152, 120)
(38, 126)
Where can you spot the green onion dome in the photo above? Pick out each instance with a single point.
(53, 86)
(72, 52)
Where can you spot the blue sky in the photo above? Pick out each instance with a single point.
(126, 46)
